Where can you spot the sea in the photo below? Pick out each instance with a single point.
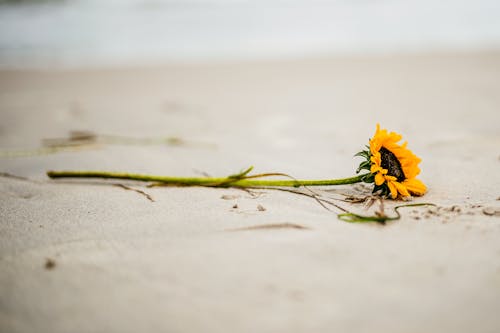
(87, 33)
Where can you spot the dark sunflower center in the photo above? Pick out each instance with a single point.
(392, 164)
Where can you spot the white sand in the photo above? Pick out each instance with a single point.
(125, 264)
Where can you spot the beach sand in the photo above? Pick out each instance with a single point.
(89, 256)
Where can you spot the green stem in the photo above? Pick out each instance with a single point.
(244, 181)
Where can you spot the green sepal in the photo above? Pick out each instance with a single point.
(382, 189)
(368, 178)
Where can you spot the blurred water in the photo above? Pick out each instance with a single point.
(117, 32)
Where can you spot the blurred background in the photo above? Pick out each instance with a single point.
(293, 86)
(75, 33)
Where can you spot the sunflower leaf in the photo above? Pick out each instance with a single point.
(364, 166)
(241, 174)
(363, 153)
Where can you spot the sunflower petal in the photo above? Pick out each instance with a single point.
(376, 158)
(392, 188)
(415, 186)
(375, 168)
(402, 189)
(379, 179)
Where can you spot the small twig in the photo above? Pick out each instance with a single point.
(319, 200)
(250, 192)
(9, 175)
(21, 178)
(125, 187)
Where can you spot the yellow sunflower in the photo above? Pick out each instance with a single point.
(393, 167)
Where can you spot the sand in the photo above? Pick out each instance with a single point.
(80, 256)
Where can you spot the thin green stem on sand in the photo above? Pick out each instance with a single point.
(381, 218)
(242, 179)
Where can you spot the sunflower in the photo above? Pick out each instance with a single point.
(393, 167)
